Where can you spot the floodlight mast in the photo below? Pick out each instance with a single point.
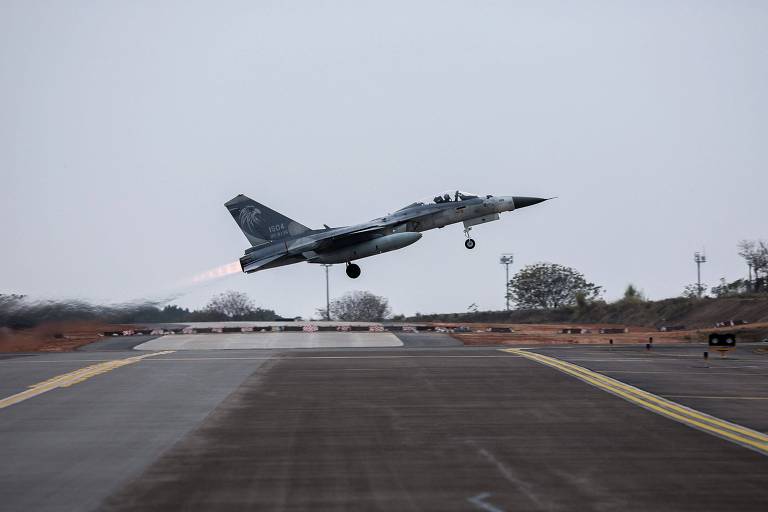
(507, 259)
(327, 293)
(699, 258)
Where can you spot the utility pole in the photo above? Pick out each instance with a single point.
(507, 259)
(699, 259)
(327, 293)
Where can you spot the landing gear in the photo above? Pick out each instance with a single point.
(468, 243)
(353, 270)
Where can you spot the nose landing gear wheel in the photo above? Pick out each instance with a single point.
(353, 270)
(469, 243)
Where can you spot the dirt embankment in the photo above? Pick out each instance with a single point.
(545, 334)
(53, 337)
(689, 313)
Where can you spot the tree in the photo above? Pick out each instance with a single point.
(234, 305)
(633, 294)
(10, 307)
(322, 313)
(549, 286)
(755, 253)
(360, 306)
(175, 313)
(691, 291)
(734, 289)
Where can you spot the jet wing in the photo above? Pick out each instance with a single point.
(355, 230)
(351, 234)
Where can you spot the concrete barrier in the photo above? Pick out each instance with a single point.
(256, 327)
(614, 330)
(731, 323)
(575, 330)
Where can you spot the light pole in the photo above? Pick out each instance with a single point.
(327, 293)
(507, 259)
(699, 259)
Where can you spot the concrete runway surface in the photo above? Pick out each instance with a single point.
(283, 340)
(405, 428)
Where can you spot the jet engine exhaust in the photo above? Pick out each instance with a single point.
(215, 273)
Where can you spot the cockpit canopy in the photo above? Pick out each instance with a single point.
(444, 197)
(456, 195)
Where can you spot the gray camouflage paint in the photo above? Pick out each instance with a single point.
(277, 240)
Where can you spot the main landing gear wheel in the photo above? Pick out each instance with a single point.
(469, 243)
(353, 270)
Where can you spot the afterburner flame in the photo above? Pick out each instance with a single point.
(215, 273)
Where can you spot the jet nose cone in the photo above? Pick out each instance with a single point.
(522, 202)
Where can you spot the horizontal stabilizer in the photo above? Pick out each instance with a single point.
(253, 266)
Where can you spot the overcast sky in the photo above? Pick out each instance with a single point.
(125, 126)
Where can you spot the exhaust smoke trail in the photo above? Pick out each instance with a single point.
(20, 311)
(215, 273)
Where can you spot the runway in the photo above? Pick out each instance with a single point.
(273, 340)
(402, 428)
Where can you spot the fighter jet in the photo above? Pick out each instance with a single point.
(277, 240)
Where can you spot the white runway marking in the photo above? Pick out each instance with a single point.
(272, 340)
(479, 502)
(330, 357)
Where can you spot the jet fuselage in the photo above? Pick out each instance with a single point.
(277, 240)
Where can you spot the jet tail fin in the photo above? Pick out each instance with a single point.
(261, 224)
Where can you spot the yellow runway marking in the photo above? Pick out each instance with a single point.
(71, 378)
(744, 436)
